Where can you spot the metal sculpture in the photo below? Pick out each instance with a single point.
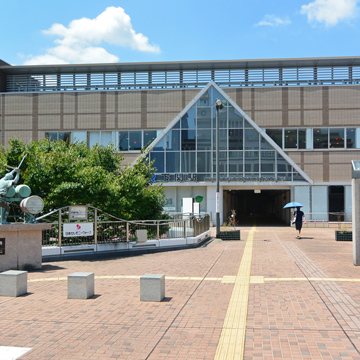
(30, 205)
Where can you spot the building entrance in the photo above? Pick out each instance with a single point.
(260, 207)
(336, 203)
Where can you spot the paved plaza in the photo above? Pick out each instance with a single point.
(268, 296)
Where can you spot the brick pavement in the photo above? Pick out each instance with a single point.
(303, 302)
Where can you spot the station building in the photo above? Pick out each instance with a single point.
(288, 130)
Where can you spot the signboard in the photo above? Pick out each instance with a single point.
(78, 229)
(188, 205)
(178, 177)
(78, 212)
(169, 208)
(191, 177)
(2, 246)
(197, 208)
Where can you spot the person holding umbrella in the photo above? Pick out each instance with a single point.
(299, 218)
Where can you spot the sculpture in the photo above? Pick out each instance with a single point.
(6, 183)
(30, 205)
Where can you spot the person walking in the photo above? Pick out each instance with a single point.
(299, 218)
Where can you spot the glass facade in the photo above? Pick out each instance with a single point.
(187, 151)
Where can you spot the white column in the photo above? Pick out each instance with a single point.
(356, 220)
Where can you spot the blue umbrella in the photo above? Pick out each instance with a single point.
(293, 204)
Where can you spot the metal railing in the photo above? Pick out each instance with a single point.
(109, 229)
(330, 219)
(297, 76)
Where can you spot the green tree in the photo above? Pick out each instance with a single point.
(72, 174)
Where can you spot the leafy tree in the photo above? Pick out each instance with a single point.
(71, 174)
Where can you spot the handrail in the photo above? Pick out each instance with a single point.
(120, 230)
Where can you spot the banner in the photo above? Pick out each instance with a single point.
(78, 229)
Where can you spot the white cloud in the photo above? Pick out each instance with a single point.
(79, 42)
(273, 20)
(330, 11)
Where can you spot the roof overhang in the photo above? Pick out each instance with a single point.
(180, 65)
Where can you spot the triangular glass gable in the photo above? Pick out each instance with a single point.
(186, 149)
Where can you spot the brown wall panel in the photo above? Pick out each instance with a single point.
(315, 172)
(110, 121)
(89, 122)
(18, 104)
(129, 121)
(313, 98)
(18, 123)
(340, 172)
(295, 118)
(69, 122)
(49, 122)
(268, 118)
(49, 104)
(294, 98)
(165, 101)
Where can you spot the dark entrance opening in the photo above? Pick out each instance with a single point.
(261, 208)
(336, 203)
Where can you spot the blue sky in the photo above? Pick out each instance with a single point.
(79, 31)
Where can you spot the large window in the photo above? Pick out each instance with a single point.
(351, 138)
(104, 138)
(321, 139)
(291, 139)
(302, 139)
(149, 136)
(58, 135)
(123, 140)
(276, 135)
(188, 140)
(135, 140)
(337, 138)
(235, 139)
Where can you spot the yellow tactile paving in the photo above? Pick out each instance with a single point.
(232, 339)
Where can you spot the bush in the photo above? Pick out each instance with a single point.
(65, 174)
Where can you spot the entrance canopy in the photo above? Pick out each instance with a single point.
(186, 150)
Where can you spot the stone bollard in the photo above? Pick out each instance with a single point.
(152, 287)
(81, 285)
(13, 283)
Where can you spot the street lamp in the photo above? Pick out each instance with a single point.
(219, 105)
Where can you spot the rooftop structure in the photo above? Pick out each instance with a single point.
(184, 74)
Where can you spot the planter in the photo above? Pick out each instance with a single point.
(343, 235)
(229, 235)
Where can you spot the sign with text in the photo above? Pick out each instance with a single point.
(79, 212)
(2, 246)
(78, 229)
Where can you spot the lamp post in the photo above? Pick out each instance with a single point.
(219, 105)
